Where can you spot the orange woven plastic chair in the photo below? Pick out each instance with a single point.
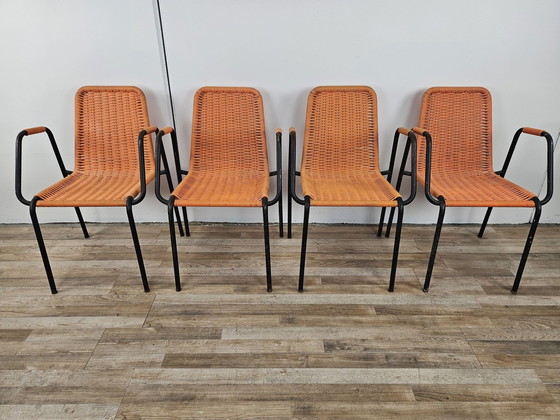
(228, 164)
(455, 161)
(114, 161)
(340, 162)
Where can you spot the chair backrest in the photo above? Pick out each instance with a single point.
(108, 121)
(459, 120)
(340, 130)
(228, 131)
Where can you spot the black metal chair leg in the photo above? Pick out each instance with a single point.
(528, 244)
(307, 206)
(390, 222)
(41, 242)
(137, 244)
(173, 239)
(187, 229)
(179, 223)
(435, 244)
(266, 244)
(82, 223)
(484, 222)
(398, 185)
(289, 211)
(397, 244)
(381, 220)
(280, 217)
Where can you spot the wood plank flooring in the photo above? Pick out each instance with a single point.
(224, 348)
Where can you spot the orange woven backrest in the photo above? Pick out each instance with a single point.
(340, 130)
(108, 121)
(459, 120)
(228, 132)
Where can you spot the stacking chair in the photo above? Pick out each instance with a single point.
(228, 162)
(114, 160)
(455, 162)
(340, 162)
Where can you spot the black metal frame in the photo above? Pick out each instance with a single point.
(440, 201)
(160, 154)
(33, 203)
(306, 201)
(410, 143)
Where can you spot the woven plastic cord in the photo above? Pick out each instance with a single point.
(228, 166)
(459, 119)
(340, 164)
(108, 121)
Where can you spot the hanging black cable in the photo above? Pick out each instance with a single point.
(166, 66)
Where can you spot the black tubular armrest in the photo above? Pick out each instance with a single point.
(549, 157)
(142, 162)
(278, 171)
(428, 174)
(410, 143)
(292, 173)
(19, 154)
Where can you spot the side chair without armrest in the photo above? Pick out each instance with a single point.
(455, 162)
(114, 160)
(228, 162)
(340, 162)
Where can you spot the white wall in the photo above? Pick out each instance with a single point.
(284, 49)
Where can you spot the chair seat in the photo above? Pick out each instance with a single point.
(479, 189)
(222, 189)
(349, 189)
(93, 189)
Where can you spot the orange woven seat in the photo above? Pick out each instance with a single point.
(114, 160)
(456, 123)
(479, 189)
(228, 162)
(222, 189)
(340, 161)
(459, 120)
(340, 164)
(350, 190)
(92, 189)
(229, 165)
(108, 120)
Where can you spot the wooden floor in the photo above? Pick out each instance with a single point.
(224, 348)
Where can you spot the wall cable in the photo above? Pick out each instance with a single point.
(166, 66)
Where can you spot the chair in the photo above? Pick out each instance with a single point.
(114, 161)
(228, 162)
(455, 162)
(340, 162)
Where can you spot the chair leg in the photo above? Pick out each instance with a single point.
(307, 206)
(400, 176)
(289, 214)
(434, 245)
(527, 248)
(137, 244)
(82, 223)
(390, 222)
(179, 223)
(381, 220)
(266, 244)
(280, 217)
(173, 239)
(41, 242)
(397, 244)
(187, 229)
(484, 222)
